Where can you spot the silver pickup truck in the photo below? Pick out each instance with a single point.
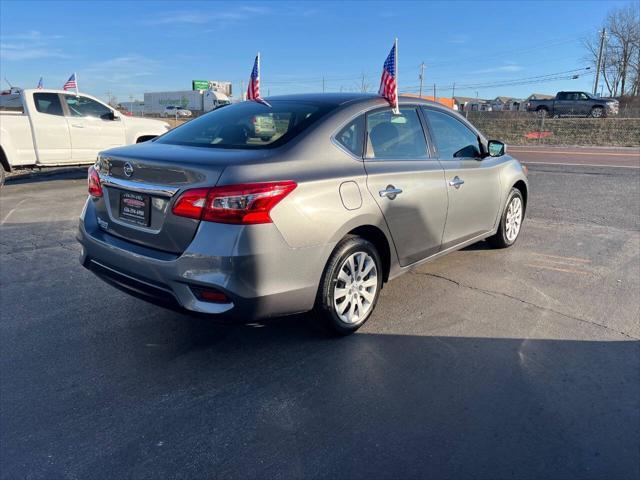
(575, 104)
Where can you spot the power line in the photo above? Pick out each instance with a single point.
(568, 74)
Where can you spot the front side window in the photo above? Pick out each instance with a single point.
(86, 107)
(48, 103)
(395, 137)
(351, 136)
(453, 138)
(248, 125)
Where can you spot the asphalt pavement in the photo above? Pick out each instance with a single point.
(488, 364)
(617, 157)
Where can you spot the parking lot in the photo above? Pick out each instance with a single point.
(519, 363)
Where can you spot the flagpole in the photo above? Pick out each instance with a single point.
(75, 75)
(397, 106)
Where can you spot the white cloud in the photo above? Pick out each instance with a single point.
(122, 69)
(459, 39)
(29, 45)
(503, 68)
(210, 17)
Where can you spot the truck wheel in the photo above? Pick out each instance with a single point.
(542, 112)
(597, 112)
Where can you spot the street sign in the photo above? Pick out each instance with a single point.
(215, 85)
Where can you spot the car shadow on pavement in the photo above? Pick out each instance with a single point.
(47, 175)
(159, 393)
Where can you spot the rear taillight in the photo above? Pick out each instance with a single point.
(248, 203)
(93, 179)
(191, 203)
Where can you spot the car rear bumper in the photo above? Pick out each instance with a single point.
(252, 265)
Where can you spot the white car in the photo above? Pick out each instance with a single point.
(56, 127)
(175, 111)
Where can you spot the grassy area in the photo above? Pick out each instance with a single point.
(604, 132)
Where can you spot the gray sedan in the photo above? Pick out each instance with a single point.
(343, 197)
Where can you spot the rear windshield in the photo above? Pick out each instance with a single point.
(247, 125)
(11, 102)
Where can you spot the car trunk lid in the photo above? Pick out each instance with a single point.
(141, 183)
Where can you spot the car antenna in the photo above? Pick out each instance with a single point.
(5, 79)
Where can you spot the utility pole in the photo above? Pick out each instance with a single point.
(434, 93)
(362, 85)
(323, 84)
(603, 34)
(453, 90)
(421, 77)
(241, 90)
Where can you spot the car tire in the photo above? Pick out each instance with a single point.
(511, 221)
(542, 112)
(350, 286)
(597, 112)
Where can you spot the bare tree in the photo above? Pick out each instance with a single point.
(621, 54)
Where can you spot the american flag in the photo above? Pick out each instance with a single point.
(71, 83)
(253, 90)
(388, 82)
(40, 85)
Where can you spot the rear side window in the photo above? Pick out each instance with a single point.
(48, 103)
(248, 125)
(395, 137)
(86, 107)
(11, 103)
(453, 138)
(351, 136)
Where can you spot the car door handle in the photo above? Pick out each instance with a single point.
(456, 182)
(390, 192)
(77, 125)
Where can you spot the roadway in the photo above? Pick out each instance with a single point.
(519, 363)
(594, 156)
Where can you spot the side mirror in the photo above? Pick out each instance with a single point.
(496, 148)
(110, 116)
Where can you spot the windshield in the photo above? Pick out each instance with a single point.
(247, 125)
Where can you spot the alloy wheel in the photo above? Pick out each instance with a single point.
(514, 219)
(355, 288)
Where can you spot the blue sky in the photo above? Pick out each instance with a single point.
(132, 47)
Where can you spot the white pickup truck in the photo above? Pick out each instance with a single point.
(55, 127)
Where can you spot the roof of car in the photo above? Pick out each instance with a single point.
(52, 90)
(341, 98)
